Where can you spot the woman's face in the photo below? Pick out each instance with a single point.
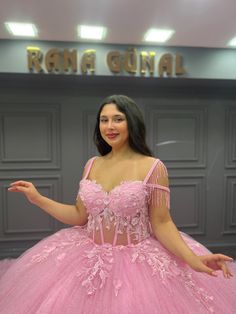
(113, 126)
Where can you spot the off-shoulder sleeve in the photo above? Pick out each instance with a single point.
(158, 186)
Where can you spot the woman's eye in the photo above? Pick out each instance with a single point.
(118, 119)
(103, 120)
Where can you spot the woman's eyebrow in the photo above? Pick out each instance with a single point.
(116, 115)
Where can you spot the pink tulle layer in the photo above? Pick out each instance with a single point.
(68, 273)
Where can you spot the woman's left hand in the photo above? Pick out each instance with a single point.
(210, 263)
(217, 262)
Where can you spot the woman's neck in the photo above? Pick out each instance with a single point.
(121, 153)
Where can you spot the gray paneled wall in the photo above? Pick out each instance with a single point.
(230, 172)
(178, 130)
(46, 128)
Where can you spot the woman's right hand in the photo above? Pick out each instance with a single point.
(26, 188)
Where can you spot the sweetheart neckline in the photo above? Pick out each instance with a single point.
(115, 187)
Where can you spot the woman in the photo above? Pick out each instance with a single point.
(124, 254)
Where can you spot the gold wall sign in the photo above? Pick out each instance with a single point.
(131, 61)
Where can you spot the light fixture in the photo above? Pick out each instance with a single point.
(22, 29)
(158, 35)
(232, 42)
(91, 32)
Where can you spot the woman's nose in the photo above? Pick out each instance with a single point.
(110, 124)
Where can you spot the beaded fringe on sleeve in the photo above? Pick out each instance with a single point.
(159, 194)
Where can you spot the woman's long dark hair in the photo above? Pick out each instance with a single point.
(136, 126)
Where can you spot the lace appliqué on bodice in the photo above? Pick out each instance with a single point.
(123, 210)
(121, 215)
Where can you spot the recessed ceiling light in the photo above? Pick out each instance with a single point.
(91, 32)
(158, 35)
(232, 42)
(22, 29)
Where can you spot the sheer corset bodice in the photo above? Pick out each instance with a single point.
(121, 216)
(117, 217)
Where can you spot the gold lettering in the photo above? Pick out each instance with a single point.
(179, 70)
(114, 61)
(147, 60)
(88, 61)
(66, 60)
(53, 60)
(166, 65)
(35, 57)
(70, 59)
(131, 61)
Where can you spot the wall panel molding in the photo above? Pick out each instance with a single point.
(29, 136)
(89, 120)
(188, 203)
(229, 210)
(230, 137)
(178, 135)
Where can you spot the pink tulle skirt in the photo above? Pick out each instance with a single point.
(68, 273)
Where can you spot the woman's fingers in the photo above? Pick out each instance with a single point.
(222, 257)
(214, 258)
(217, 262)
(19, 186)
(16, 189)
(226, 271)
(218, 257)
(20, 183)
(208, 270)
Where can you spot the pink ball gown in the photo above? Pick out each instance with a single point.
(113, 265)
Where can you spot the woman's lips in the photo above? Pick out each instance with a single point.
(111, 136)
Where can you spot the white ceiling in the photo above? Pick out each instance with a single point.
(197, 23)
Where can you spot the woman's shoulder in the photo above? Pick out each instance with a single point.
(154, 160)
(95, 162)
(90, 161)
(152, 165)
(149, 161)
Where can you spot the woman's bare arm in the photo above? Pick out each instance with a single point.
(68, 214)
(167, 233)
